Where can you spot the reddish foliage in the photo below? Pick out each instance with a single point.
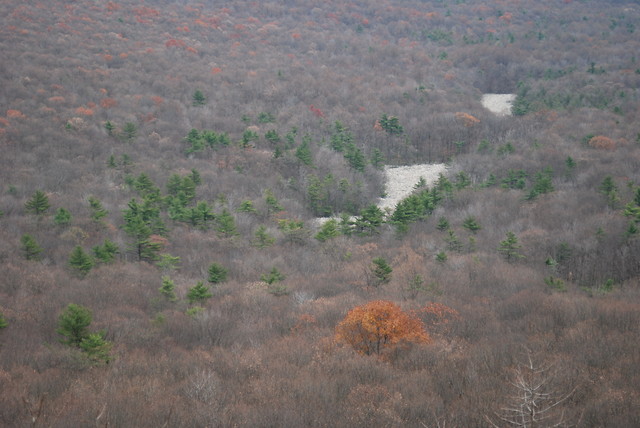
(175, 43)
(158, 101)
(108, 103)
(603, 143)
(57, 99)
(296, 35)
(467, 119)
(146, 11)
(112, 6)
(316, 111)
(216, 70)
(15, 114)
(85, 111)
(378, 325)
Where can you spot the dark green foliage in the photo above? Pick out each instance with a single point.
(328, 230)
(3, 322)
(390, 124)
(198, 98)
(195, 177)
(248, 136)
(246, 207)
(515, 179)
(96, 348)
(570, 165)
(273, 276)
(272, 136)
(80, 262)
(195, 141)
(414, 207)
(510, 248)
(201, 216)
(369, 221)
(441, 257)
(490, 181)
(484, 147)
(443, 224)
(543, 183)
(217, 273)
(30, 247)
(38, 204)
(73, 324)
(381, 271)
(198, 293)
(105, 253)
(109, 128)
(62, 217)
(142, 221)
(462, 180)
(226, 224)
(97, 210)
(145, 186)
(318, 195)
(555, 283)
(340, 137)
(471, 224)
(265, 117)
(273, 206)
(167, 262)
(453, 243)
(506, 149)
(262, 239)
(377, 159)
(355, 157)
(294, 231)
(129, 131)
(168, 289)
(610, 190)
(303, 152)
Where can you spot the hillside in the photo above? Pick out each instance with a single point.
(164, 163)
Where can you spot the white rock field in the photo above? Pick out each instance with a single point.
(401, 179)
(499, 104)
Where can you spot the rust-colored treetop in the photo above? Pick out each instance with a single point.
(375, 326)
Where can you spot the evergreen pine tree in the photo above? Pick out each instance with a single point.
(3, 321)
(381, 271)
(198, 98)
(198, 293)
(303, 152)
(217, 273)
(510, 247)
(328, 230)
(30, 247)
(168, 289)
(38, 204)
(129, 131)
(226, 224)
(106, 252)
(97, 210)
(96, 347)
(62, 217)
(262, 239)
(74, 323)
(80, 262)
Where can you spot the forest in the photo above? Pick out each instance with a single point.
(190, 233)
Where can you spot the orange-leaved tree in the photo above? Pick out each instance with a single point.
(379, 325)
